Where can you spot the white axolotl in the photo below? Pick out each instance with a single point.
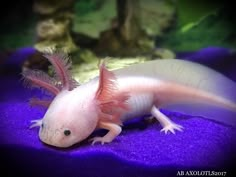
(116, 96)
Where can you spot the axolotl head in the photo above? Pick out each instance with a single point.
(70, 119)
(74, 114)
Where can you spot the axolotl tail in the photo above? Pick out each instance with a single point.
(218, 91)
(196, 102)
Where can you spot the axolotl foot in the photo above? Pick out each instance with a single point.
(114, 130)
(167, 124)
(101, 140)
(172, 127)
(36, 123)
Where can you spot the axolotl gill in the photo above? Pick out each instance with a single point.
(116, 96)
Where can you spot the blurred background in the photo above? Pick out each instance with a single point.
(91, 29)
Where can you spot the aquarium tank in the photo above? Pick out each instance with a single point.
(87, 88)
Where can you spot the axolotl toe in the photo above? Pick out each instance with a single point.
(116, 96)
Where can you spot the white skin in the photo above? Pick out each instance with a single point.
(74, 115)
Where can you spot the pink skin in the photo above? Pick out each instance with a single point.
(106, 102)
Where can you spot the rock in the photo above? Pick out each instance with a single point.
(54, 34)
(48, 7)
(163, 53)
(54, 25)
(133, 31)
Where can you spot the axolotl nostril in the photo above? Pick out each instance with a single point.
(116, 96)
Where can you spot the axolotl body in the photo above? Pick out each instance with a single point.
(116, 96)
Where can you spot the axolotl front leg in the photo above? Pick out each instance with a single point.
(113, 131)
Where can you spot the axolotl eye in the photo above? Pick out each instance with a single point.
(67, 132)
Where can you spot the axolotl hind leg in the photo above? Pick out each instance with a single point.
(167, 124)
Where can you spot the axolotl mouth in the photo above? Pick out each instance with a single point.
(53, 137)
(58, 136)
(48, 136)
